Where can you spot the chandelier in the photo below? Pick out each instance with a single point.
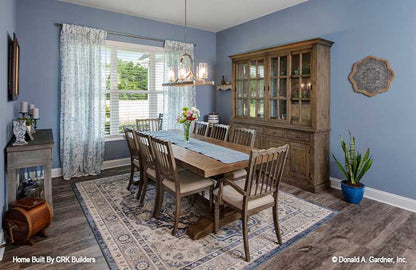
(186, 75)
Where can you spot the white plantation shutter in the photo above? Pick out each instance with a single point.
(134, 77)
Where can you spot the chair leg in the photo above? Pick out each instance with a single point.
(178, 210)
(145, 180)
(276, 224)
(158, 200)
(140, 188)
(211, 198)
(131, 176)
(217, 217)
(245, 236)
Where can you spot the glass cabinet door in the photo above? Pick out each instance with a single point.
(301, 87)
(256, 93)
(242, 89)
(278, 87)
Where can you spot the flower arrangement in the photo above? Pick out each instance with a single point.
(186, 118)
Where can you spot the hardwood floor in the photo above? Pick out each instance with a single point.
(369, 229)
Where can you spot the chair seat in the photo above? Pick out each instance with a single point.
(239, 174)
(151, 173)
(136, 162)
(189, 182)
(234, 198)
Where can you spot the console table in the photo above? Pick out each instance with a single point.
(36, 153)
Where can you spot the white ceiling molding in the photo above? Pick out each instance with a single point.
(209, 15)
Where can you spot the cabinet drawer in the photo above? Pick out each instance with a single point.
(275, 132)
(298, 136)
(259, 130)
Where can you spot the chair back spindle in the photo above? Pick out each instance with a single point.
(220, 132)
(243, 136)
(145, 150)
(165, 161)
(265, 171)
(201, 128)
(150, 124)
(131, 143)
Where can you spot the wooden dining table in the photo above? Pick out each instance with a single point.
(207, 167)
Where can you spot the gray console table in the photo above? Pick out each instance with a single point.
(36, 153)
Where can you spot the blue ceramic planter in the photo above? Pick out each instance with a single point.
(352, 194)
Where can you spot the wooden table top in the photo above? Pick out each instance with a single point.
(205, 166)
(43, 138)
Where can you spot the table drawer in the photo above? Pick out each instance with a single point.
(298, 136)
(27, 159)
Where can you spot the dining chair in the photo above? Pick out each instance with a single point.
(179, 183)
(242, 136)
(201, 128)
(149, 124)
(147, 164)
(134, 154)
(259, 192)
(220, 132)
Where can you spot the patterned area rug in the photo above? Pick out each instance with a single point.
(131, 238)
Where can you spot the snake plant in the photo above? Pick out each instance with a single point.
(355, 165)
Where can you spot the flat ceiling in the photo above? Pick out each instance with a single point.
(209, 15)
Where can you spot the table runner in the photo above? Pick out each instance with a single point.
(223, 154)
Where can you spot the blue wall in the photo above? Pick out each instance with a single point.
(7, 27)
(383, 28)
(39, 40)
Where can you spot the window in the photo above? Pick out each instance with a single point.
(134, 77)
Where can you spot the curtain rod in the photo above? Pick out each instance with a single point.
(126, 35)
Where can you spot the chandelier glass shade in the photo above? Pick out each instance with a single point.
(185, 75)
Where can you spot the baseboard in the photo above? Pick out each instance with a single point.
(107, 164)
(382, 196)
(2, 241)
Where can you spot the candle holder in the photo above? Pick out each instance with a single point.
(23, 114)
(35, 121)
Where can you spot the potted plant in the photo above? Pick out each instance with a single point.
(355, 168)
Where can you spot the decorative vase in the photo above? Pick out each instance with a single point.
(186, 129)
(19, 131)
(352, 194)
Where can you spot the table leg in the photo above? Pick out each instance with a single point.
(205, 226)
(48, 184)
(11, 186)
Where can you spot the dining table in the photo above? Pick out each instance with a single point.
(208, 167)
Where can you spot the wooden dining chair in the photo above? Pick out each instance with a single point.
(179, 183)
(201, 128)
(242, 136)
(149, 124)
(134, 154)
(147, 164)
(259, 192)
(220, 132)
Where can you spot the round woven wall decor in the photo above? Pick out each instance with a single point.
(371, 76)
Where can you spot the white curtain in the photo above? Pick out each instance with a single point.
(175, 98)
(82, 100)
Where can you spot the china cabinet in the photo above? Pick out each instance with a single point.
(283, 93)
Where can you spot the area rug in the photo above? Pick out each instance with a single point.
(131, 238)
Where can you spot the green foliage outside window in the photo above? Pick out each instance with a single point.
(131, 77)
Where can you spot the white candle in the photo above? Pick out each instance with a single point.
(23, 107)
(36, 113)
(31, 107)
